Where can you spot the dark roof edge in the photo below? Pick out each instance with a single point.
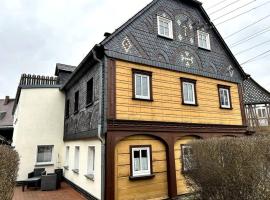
(96, 48)
(69, 68)
(223, 41)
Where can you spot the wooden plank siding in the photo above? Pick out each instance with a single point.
(167, 104)
(154, 188)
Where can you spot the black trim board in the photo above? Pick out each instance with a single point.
(80, 190)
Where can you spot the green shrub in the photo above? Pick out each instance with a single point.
(231, 168)
(9, 161)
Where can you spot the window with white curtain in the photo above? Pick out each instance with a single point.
(91, 161)
(140, 161)
(142, 86)
(44, 154)
(76, 159)
(165, 27)
(189, 93)
(224, 95)
(67, 157)
(187, 155)
(203, 40)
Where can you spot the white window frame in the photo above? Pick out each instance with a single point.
(45, 163)
(228, 95)
(148, 86)
(76, 159)
(91, 160)
(184, 167)
(141, 172)
(166, 20)
(67, 157)
(193, 93)
(208, 45)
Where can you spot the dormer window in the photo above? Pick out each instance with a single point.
(203, 40)
(165, 28)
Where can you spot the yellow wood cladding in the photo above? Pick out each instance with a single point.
(167, 105)
(180, 179)
(154, 188)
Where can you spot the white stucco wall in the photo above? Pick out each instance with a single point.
(91, 186)
(38, 120)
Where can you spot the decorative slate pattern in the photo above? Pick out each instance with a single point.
(254, 93)
(181, 53)
(87, 117)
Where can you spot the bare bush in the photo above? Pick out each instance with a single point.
(9, 161)
(231, 168)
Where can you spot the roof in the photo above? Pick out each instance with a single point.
(63, 67)
(254, 93)
(6, 118)
(151, 48)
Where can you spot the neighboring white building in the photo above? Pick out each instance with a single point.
(38, 128)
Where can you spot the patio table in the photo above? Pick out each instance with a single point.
(34, 180)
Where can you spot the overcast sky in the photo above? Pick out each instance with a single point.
(36, 34)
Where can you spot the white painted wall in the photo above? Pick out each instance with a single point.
(39, 120)
(91, 186)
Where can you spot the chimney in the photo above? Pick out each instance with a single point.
(6, 100)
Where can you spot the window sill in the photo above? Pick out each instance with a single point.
(89, 104)
(66, 167)
(76, 171)
(44, 164)
(165, 37)
(190, 104)
(202, 48)
(224, 108)
(90, 177)
(143, 177)
(139, 99)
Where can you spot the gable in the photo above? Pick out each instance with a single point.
(138, 41)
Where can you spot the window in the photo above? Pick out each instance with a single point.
(44, 154)
(76, 159)
(187, 155)
(91, 163)
(89, 92)
(204, 40)
(142, 85)
(165, 27)
(67, 158)
(67, 109)
(224, 97)
(76, 102)
(188, 91)
(141, 161)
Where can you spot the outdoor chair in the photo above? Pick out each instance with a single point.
(48, 182)
(37, 172)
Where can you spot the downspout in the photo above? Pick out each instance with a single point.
(100, 124)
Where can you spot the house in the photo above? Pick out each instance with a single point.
(120, 122)
(6, 120)
(257, 104)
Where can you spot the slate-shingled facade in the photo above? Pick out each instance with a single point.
(103, 141)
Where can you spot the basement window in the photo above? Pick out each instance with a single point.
(76, 160)
(44, 154)
(90, 163)
(140, 161)
(187, 155)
